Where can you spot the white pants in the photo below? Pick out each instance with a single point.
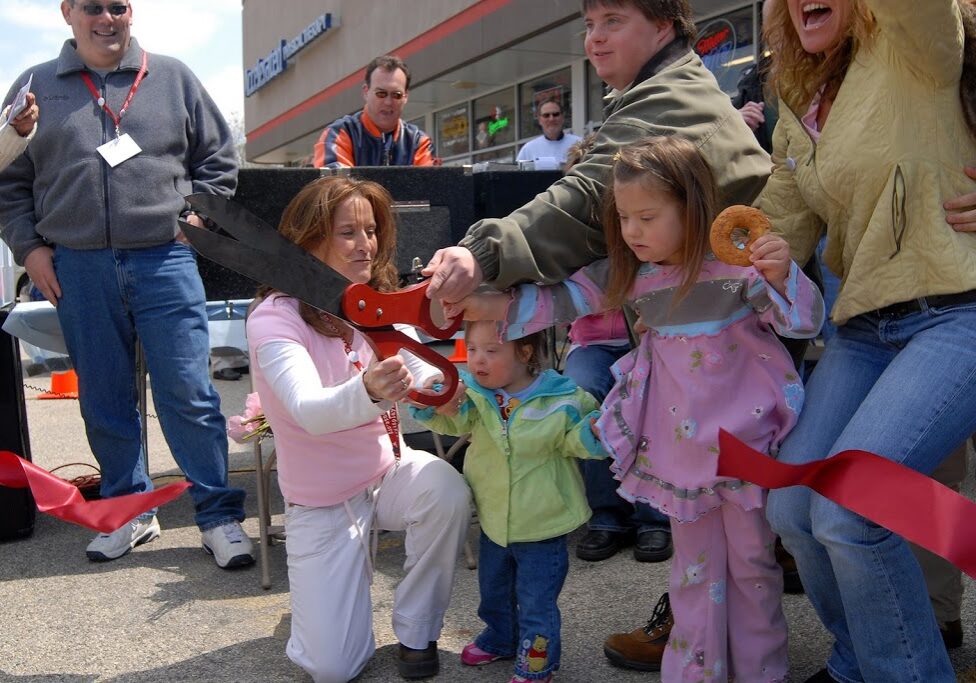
(332, 612)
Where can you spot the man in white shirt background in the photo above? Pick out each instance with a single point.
(554, 141)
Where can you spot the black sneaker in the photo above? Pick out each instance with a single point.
(653, 546)
(600, 545)
(413, 664)
(227, 374)
(952, 634)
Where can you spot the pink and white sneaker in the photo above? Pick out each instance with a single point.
(518, 679)
(472, 655)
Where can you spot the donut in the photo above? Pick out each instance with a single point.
(733, 232)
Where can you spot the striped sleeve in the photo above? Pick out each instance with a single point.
(424, 156)
(799, 315)
(536, 307)
(334, 148)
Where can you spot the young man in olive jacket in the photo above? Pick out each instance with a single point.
(658, 86)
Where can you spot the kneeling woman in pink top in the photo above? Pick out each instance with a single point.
(342, 466)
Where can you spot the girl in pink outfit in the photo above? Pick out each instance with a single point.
(708, 358)
(342, 467)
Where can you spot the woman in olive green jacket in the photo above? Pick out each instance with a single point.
(871, 139)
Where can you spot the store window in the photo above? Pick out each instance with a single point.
(494, 119)
(725, 45)
(453, 131)
(555, 85)
(595, 90)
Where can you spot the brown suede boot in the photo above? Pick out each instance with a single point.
(643, 648)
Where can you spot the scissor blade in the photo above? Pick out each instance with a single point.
(315, 284)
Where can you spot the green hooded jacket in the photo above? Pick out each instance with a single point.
(525, 482)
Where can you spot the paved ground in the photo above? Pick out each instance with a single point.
(167, 613)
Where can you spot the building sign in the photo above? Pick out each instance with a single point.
(452, 131)
(275, 62)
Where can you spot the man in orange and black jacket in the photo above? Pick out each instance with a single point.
(377, 136)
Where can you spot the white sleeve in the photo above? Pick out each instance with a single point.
(12, 145)
(294, 379)
(525, 154)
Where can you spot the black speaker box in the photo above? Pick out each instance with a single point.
(265, 192)
(498, 193)
(17, 508)
(435, 206)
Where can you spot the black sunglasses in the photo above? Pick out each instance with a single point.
(95, 10)
(383, 94)
(551, 115)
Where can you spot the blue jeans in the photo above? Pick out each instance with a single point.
(831, 288)
(109, 296)
(900, 387)
(589, 367)
(519, 587)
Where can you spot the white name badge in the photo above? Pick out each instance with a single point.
(118, 150)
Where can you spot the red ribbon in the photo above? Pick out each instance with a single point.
(63, 500)
(910, 504)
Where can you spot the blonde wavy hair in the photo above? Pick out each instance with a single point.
(795, 73)
(308, 222)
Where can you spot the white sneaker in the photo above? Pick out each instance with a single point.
(105, 547)
(229, 545)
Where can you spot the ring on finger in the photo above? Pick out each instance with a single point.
(404, 384)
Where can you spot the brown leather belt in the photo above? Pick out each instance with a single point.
(904, 308)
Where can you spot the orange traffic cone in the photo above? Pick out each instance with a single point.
(460, 352)
(63, 385)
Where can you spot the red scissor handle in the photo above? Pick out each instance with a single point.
(363, 306)
(366, 308)
(387, 342)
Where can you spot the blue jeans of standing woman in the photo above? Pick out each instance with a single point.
(901, 387)
(519, 586)
(109, 296)
(589, 367)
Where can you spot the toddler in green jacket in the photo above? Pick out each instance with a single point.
(525, 425)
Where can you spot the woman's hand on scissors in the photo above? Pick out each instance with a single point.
(387, 379)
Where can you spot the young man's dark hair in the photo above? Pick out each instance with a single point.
(678, 11)
(387, 63)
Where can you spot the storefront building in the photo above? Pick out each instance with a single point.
(479, 68)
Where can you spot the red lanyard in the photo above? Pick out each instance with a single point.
(391, 420)
(117, 118)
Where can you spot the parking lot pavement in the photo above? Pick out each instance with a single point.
(165, 612)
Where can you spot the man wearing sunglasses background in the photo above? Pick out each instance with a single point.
(377, 136)
(90, 209)
(554, 142)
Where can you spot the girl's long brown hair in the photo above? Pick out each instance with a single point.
(308, 222)
(673, 165)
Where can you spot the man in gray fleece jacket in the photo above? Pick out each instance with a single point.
(90, 210)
